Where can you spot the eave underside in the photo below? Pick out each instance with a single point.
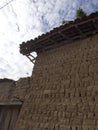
(79, 29)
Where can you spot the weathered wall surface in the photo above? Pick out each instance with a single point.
(21, 88)
(12, 96)
(11, 91)
(64, 92)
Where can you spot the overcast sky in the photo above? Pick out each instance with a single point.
(22, 20)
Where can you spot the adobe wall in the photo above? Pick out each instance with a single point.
(64, 92)
(13, 91)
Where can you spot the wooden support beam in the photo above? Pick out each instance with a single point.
(63, 35)
(32, 56)
(81, 34)
(95, 23)
(54, 42)
(32, 60)
(29, 55)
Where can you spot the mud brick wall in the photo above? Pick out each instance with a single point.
(64, 92)
(13, 91)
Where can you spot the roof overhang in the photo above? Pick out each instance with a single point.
(65, 34)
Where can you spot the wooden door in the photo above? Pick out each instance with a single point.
(8, 117)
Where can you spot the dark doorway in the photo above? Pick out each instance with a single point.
(8, 116)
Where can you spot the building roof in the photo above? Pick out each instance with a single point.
(65, 34)
(6, 80)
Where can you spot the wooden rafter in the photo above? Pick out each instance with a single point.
(31, 58)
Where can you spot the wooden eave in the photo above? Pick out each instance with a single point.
(65, 34)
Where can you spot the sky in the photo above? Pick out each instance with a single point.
(22, 20)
